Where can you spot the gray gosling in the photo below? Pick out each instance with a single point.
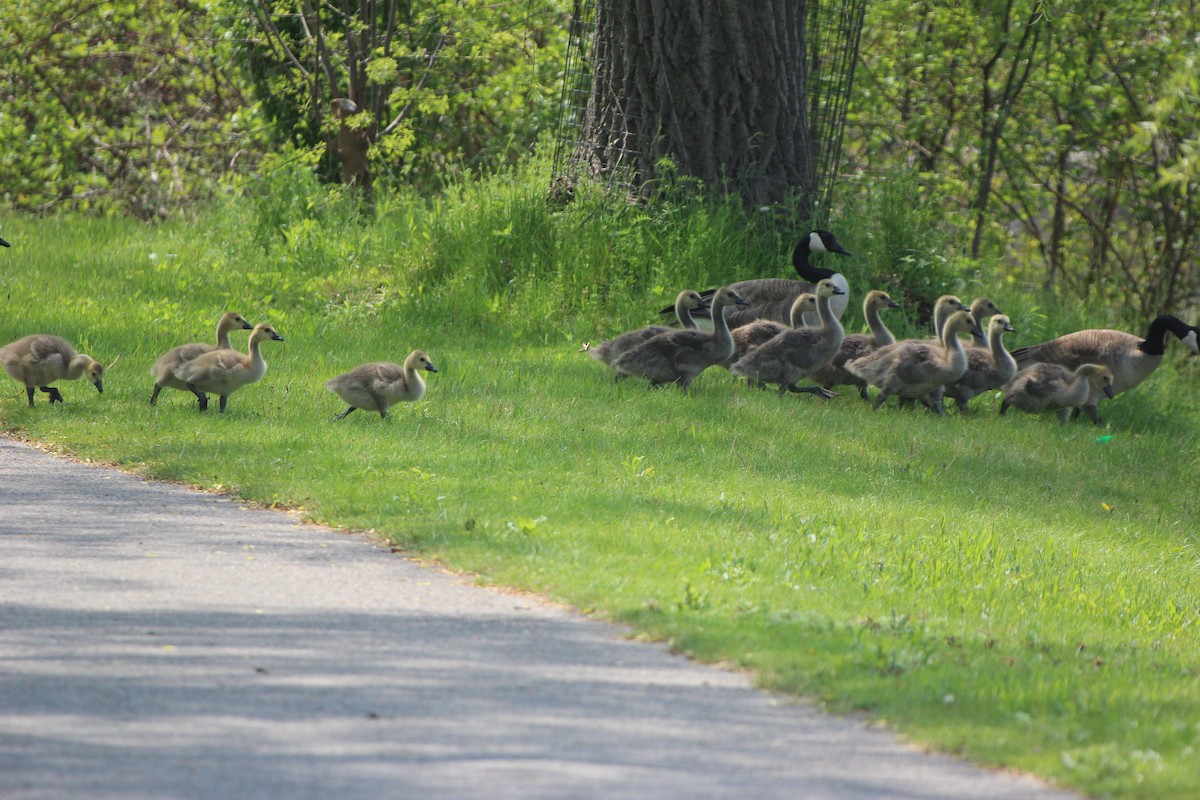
(679, 356)
(381, 384)
(795, 353)
(761, 331)
(1041, 386)
(981, 309)
(223, 372)
(40, 359)
(987, 367)
(687, 302)
(857, 345)
(164, 368)
(916, 368)
(1131, 359)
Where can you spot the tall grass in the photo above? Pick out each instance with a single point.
(1008, 589)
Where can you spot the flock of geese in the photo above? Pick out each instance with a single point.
(779, 332)
(202, 369)
(770, 331)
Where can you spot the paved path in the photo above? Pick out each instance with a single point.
(162, 643)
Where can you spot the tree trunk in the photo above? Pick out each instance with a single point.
(719, 89)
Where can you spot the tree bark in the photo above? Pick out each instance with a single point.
(719, 89)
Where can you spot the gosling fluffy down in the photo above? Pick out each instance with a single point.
(164, 368)
(381, 384)
(40, 359)
(687, 302)
(1042, 386)
(223, 372)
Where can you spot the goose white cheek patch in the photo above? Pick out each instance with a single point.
(815, 244)
(1192, 344)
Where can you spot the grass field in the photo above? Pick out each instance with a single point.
(1017, 592)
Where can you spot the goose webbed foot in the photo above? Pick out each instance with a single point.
(154, 394)
(819, 391)
(55, 394)
(224, 402)
(345, 413)
(29, 390)
(864, 393)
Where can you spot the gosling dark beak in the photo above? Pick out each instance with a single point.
(100, 387)
(431, 367)
(1008, 328)
(1108, 391)
(977, 331)
(277, 337)
(893, 304)
(246, 326)
(837, 291)
(704, 303)
(4, 243)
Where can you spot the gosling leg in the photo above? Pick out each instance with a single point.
(224, 402)
(201, 397)
(819, 391)
(154, 394)
(55, 394)
(345, 413)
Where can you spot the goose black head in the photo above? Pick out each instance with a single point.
(817, 241)
(1155, 343)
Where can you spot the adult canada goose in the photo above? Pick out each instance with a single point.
(381, 384)
(41, 359)
(761, 331)
(687, 302)
(916, 368)
(987, 367)
(223, 372)
(1130, 359)
(679, 356)
(1043, 385)
(164, 368)
(857, 345)
(795, 353)
(772, 298)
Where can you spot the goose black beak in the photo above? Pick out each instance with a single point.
(1108, 391)
(4, 243)
(100, 387)
(246, 326)
(1008, 328)
(836, 247)
(893, 304)
(431, 367)
(837, 291)
(277, 337)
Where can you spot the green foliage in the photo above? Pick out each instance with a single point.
(1059, 137)
(444, 86)
(130, 107)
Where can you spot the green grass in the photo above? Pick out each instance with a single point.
(1007, 589)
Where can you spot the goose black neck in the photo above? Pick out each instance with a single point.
(1155, 343)
(804, 268)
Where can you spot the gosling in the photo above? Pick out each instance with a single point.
(607, 352)
(164, 368)
(223, 372)
(1043, 385)
(41, 359)
(381, 384)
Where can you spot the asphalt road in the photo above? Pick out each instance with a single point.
(161, 643)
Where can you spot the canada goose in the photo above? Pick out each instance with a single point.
(40, 359)
(381, 384)
(772, 298)
(1043, 385)
(679, 356)
(987, 367)
(1130, 359)
(981, 309)
(796, 352)
(223, 372)
(687, 302)
(164, 368)
(761, 331)
(917, 368)
(857, 345)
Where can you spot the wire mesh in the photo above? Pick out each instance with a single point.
(833, 30)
